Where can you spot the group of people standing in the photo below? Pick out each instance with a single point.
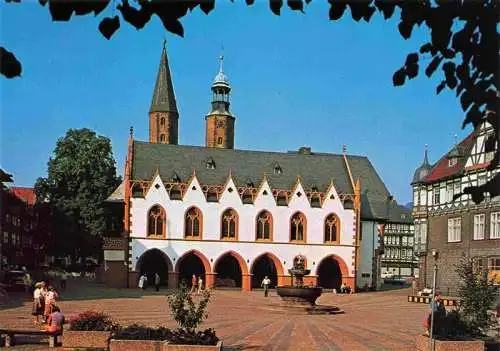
(45, 310)
(196, 284)
(143, 281)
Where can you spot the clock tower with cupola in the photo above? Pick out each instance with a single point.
(220, 121)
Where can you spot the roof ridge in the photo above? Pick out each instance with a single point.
(288, 153)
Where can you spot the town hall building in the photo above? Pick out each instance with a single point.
(235, 216)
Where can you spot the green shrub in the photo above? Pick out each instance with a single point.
(476, 295)
(185, 312)
(177, 337)
(92, 321)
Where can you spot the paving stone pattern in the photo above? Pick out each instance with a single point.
(249, 321)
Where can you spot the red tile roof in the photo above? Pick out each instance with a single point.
(441, 170)
(25, 194)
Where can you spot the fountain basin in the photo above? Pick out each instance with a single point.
(299, 295)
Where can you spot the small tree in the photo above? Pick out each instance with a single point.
(185, 312)
(477, 295)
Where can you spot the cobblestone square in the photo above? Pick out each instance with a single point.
(248, 321)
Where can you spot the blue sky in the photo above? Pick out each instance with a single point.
(298, 80)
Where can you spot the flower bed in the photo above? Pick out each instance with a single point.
(89, 330)
(422, 344)
(86, 339)
(151, 345)
(141, 338)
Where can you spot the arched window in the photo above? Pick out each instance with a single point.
(332, 227)
(162, 121)
(162, 137)
(156, 221)
(229, 224)
(264, 226)
(193, 223)
(298, 227)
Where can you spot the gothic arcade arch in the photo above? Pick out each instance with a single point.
(192, 262)
(154, 261)
(230, 268)
(266, 264)
(330, 272)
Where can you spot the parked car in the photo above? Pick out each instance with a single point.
(14, 280)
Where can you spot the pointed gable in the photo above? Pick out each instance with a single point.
(163, 95)
(443, 170)
(298, 198)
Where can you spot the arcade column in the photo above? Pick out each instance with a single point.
(246, 282)
(210, 280)
(173, 280)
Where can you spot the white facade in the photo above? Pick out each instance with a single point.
(174, 245)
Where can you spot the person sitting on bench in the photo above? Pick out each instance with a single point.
(55, 321)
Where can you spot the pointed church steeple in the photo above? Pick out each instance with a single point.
(163, 114)
(163, 95)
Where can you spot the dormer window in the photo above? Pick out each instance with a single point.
(210, 163)
(250, 183)
(277, 169)
(175, 178)
(452, 162)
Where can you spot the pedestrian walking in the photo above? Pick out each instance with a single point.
(157, 281)
(27, 282)
(265, 284)
(64, 279)
(194, 283)
(200, 285)
(143, 280)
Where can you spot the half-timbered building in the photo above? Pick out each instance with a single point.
(456, 226)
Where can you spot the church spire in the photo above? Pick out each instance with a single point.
(163, 115)
(163, 94)
(426, 160)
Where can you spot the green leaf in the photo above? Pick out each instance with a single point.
(387, 7)
(208, 5)
(109, 26)
(398, 78)
(412, 70)
(336, 9)
(405, 29)
(411, 58)
(429, 71)
(10, 67)
(425, 48)
(275, 6)
(296, 5)
(440, 87)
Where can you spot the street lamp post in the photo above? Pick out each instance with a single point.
(434, 278)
